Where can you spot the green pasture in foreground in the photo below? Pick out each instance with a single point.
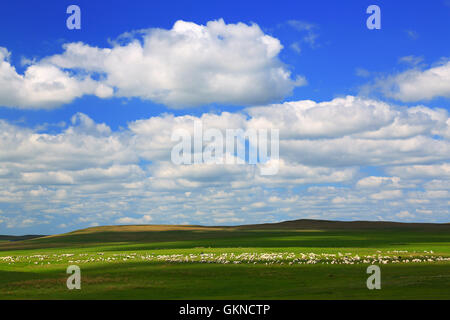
(28, 277)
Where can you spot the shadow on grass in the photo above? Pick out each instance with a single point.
(184, 239)
(141, 280)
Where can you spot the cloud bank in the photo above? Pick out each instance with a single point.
(374, 161)
(416, 84)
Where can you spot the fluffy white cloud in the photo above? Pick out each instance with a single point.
(387, 194)
(353, 151)
(81, 146)
(404, 215)
(338, 117)
(188, 65)
(88, 173)
(43, 85)
(127, 220)
(416, 84)
(422, 171)
(377, 182)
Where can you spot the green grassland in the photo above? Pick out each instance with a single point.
(148, 262)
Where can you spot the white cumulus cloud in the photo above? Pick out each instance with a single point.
(377, 160)
(188, 65)
(416, 84)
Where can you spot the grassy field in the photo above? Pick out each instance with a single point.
(292, 260)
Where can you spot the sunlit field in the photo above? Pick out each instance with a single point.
(294, 260)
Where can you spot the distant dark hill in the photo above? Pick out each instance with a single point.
(20, 238)
(305, 224)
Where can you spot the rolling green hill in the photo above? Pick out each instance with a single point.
(302, 259)
(264, 233)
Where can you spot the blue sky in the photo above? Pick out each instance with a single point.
(35, 29)
(331, 57)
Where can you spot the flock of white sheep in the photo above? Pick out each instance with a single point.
(277, 258)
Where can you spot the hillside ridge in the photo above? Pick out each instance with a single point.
(299, 224)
